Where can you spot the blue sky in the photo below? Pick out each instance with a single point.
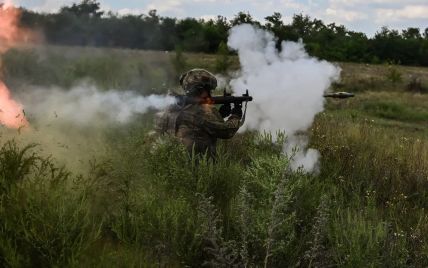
(359, 15)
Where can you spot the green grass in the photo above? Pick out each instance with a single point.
(396, 111)
(147, 203)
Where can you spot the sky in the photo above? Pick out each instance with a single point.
(366, 16)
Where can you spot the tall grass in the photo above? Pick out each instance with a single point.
(45, 217)
(152, 203)
(149, 203)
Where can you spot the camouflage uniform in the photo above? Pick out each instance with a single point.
(197, 126)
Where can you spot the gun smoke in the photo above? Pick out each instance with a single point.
(85, 105)
(287, 86)
(72, 125)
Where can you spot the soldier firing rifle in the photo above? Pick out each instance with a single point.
(195, 121)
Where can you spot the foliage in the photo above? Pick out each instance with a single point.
(149, 203)
(84, 24)
(157, 204)
(393, 75)
(44, 221)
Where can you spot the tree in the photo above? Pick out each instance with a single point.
(412, 33)
(191, 35)
(242, 18)
(87, 8)
(85, 24)
(274, 22)
(301, 25)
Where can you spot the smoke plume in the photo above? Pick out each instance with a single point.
(85, 105)
(72, 125)
(287, 86)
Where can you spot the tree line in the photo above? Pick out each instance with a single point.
(85, 24)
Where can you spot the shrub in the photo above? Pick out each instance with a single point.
(393, 75)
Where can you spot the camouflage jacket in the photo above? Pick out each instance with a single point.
(197, 126)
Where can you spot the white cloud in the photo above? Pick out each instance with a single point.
(44, 5)
(292, 4)
(370, 15)
(208, 17)
(166, 6)
(131, 11)
(380, 2)
(206, 1)
(405, 13)
(340, 15)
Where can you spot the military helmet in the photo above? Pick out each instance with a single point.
(196, 80)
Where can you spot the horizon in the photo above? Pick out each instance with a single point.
(356, 15)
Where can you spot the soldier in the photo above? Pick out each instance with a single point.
(198, 126)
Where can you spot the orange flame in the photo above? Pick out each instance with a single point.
(11, 113)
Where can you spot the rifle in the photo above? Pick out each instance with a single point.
(227, 98)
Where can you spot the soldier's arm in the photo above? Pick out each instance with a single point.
(213, 123)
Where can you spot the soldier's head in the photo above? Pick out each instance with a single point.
(198, 82)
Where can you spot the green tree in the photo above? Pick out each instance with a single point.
(89, 8)
(275, 24)
(412, 33)
(242, 18)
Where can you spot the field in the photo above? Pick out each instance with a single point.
(141, 202)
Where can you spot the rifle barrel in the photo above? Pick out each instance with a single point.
(230, 99)
(215, 100)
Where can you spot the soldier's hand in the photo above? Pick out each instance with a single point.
(225, 110)
(237, 110)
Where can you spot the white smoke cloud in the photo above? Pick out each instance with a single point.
(86, 105)
(287, 87)
(72, 125)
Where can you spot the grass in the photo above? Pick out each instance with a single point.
(147, 203)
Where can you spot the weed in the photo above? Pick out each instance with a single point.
(393, 75)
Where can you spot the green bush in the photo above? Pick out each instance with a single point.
(393, 75)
